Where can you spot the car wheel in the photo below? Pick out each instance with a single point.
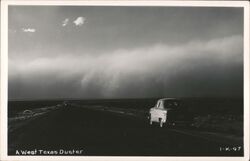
(161, 122)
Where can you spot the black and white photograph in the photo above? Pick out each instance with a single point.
(126, 80)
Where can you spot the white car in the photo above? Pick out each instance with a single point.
(158, 113)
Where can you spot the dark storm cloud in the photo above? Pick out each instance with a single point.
(119, 52)
(112, 28)
(193, 69)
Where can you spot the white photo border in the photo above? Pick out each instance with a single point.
(4, 74)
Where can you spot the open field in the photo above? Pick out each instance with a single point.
(120, 127)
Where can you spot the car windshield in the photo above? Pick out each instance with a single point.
(172, 104)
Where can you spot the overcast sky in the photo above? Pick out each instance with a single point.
(124, 52)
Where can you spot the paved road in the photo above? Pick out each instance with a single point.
(107, 134)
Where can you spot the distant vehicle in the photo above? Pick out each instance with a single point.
(169, 111)
(27, 112)
(65, 103)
